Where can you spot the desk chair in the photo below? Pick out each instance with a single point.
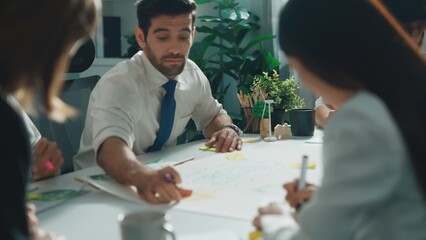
(76, 92)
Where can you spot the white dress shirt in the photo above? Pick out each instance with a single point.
(126, 103)
(320, 101)
(369, 190)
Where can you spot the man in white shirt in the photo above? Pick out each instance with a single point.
(124, 117)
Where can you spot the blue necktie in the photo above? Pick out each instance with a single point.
(168, 107)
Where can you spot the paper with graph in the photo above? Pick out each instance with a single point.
(227, 184)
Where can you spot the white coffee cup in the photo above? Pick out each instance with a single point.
(145, 226)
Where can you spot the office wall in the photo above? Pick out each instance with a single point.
(126, 10)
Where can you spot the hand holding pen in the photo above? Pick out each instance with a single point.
(294, 196)
(298, 191)
(158, 186)
(47, 158)
(183, 192)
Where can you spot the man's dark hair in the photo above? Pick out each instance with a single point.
(147, 9)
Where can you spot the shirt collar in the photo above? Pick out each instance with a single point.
(154, 77)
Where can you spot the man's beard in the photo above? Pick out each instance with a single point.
(166, 71)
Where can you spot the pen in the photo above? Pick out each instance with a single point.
(302, 181)
(168, 177)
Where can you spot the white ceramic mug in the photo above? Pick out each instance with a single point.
(145, 226)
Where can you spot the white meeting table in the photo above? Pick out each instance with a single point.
(93, 214)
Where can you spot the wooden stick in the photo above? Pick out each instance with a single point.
(183, 161)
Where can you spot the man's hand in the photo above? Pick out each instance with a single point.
(322, 114)
(226, 140)
(294, 197)
(47, 159)
(153, 186)
(159, 186)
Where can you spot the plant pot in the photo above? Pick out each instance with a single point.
(279, 116)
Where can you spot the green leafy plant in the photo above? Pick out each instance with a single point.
(134, 46)
(283, 92)
(227, 47)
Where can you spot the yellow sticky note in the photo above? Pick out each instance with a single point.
(298, 165)
(33, 196)
(211, 149)
(235, 156)
(255, 235)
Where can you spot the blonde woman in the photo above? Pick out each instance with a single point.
(37, 40)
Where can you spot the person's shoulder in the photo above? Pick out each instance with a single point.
(126, 68)
(191, 65)
(364, 104)
(365, 115)
(126, 74)
(370, 106)
(192, 69)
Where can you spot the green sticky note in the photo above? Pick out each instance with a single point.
(154, 161)
(54, 195)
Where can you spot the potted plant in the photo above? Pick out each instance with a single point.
(227, 48)
(270, 86)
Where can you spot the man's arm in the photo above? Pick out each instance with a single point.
(119, 161)
(225, 138)
(323, 110)
(322, 113)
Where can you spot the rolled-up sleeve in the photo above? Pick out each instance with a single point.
(114, 112)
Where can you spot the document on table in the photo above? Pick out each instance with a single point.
(44, 200)
(109, 185)
(228, 185)
(234, 186)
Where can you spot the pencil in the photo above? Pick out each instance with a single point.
(183, 161)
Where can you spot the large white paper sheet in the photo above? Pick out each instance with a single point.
(233, 185)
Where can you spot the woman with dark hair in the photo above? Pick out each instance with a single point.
(412, 15)
(37, 40)
(356, 55)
